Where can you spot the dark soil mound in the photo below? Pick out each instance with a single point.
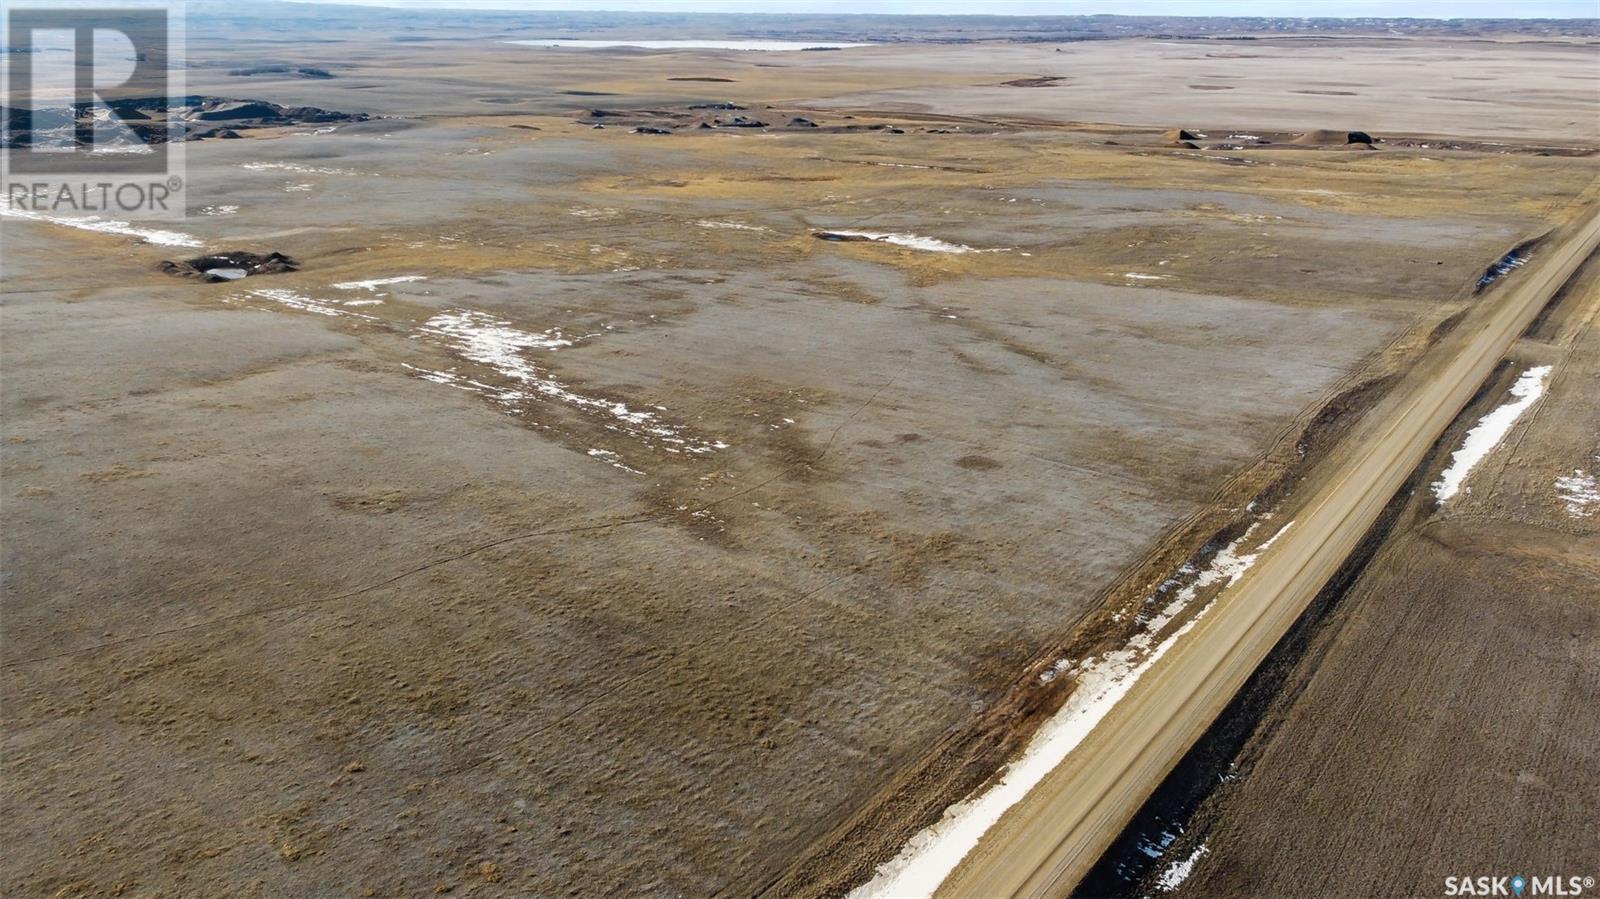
(1177, 135)
(217, 132)
(229, 110)
(230, 266)
(191, 118)
(291, 71)
(241, 114)
(702, 78)
(1039, 81)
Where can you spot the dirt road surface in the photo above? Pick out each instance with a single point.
(1049, 840)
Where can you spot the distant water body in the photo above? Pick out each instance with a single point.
(694, 44)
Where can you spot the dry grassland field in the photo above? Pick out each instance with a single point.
(584, 510)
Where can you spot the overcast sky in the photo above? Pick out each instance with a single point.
(1440, 9)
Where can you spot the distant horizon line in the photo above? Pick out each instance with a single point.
(512, 6)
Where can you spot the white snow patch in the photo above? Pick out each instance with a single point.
(227, 274)
(692, 43)
(1490, 430)
(929, 857)
(218, 210)
(296, 167)
(459, 381)
(613, 459)
(108, 226)
(376, 283)
(487, 340)
(102, 149)
(730, 226)
(1237, 159)
(493, 341)
(1141, 276)
(1580, 491)
(1179, 871)
(914, 241)
(300, 302)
